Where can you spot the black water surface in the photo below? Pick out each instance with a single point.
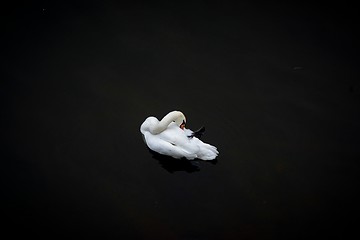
(275, 85)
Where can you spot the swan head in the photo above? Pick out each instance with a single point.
(178, 118)
(182, 125)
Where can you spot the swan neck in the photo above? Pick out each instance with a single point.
(165, 121)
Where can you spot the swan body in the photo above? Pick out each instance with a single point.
(170, 137)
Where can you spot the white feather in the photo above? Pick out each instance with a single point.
(167, 138)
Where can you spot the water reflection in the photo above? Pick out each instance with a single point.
(174, 165)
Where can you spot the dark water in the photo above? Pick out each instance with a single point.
(276, 87)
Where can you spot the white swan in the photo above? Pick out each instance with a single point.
(170, 137)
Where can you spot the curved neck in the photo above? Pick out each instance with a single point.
(176, 116)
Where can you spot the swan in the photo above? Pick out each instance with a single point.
(170, 137)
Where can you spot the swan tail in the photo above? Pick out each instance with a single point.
(208, 152)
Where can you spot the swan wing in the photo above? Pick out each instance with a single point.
(167, 147)
(175, 142)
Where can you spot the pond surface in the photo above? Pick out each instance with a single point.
(275, 86)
